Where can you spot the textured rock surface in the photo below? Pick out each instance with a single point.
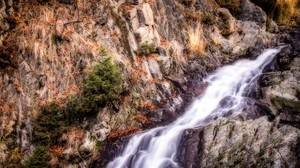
(46, 48)
(260, 141)
(231, 143)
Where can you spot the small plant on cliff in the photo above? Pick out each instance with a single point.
(39, 159)
(285, 11)
(49, 125)
(99, 144)
(197, 44)
(146, 48)
(103, 83)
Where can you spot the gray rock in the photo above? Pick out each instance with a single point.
(148, 14)
(230, 143)
(154, 69)
(282, 92)
(141, 17)
(135, 2)
(165, 64)
(251, 12)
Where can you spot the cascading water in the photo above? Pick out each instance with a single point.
(156, 148)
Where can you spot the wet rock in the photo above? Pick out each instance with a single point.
(283, 91)
(225, 143)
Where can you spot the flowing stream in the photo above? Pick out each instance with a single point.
(157, 147)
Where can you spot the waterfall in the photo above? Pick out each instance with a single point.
(157, 147)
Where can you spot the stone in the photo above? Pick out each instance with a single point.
(141, 17)
(165, 64)
(68, 2)
(146, 33)
(251, 143)
(226, 21)
(154, 69)
(146, 67)
(251, 12)
(283, 91)
(148, 14)
(135, 2)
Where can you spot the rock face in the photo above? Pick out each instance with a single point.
(47, 48)
(281, 88)
(260, 142)
(231, 143)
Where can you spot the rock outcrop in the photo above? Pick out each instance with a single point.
(259, 142)
(232, 143)
(163, 47)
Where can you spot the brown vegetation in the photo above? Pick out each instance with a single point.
(123, 132)
(284, 12)
(196, 40)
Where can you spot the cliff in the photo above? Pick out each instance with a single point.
(74, 74)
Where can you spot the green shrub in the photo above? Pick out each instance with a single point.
(103, 84)
(99, 144)
(79, 108)
(146, 48)
(49, 125)
(39, 159)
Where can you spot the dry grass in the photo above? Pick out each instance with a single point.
(73, 137)
(216, 40)
(286, 11)
(196, 40)
(177, 54)
(36, 35)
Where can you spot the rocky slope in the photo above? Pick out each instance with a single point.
(262, 142)
(163, 48)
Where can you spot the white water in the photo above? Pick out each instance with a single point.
(157, 147)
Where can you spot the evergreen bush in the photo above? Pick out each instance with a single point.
(39, 159)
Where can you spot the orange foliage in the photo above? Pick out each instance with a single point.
(73, 136)
(153, 56)
(164, 43)
(148, 104)
(16, 156)
(124, 132)
(57, 150)
(153, 80)
(6, 108)
(138, 73)
(141, 119)
(126, 99)
(151, 2)
(78, 133)
(128, 8)
(140, 59)
(60, 99)
(8, 114)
